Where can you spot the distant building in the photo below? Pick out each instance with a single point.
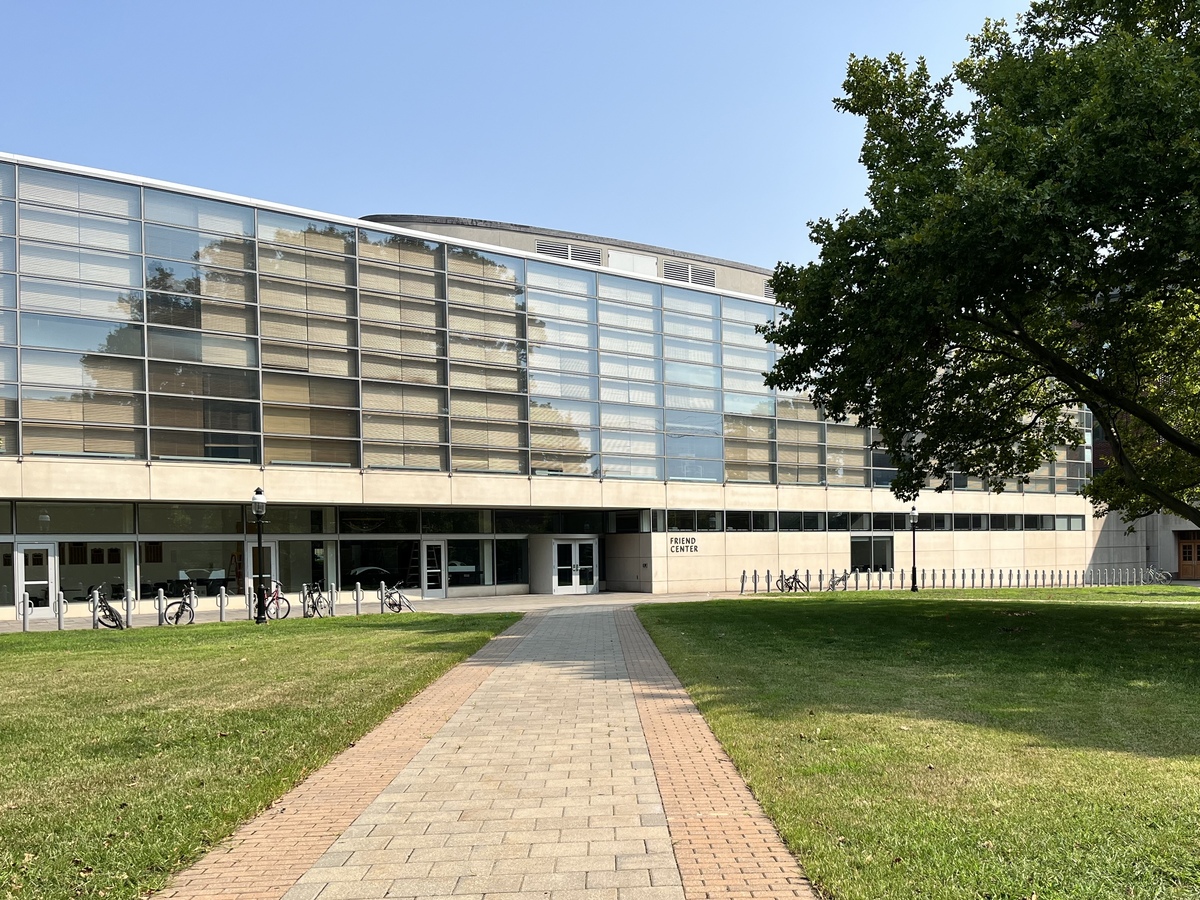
(467, 407)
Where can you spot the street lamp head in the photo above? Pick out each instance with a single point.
(912, 517)
(258, 503)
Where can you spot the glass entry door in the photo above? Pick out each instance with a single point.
(575, 567)
(267, 567)
(37, 575)
(433, 569)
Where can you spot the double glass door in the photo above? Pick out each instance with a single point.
(575, 567)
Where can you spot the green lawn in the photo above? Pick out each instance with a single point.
(125, 755)
(940, 746)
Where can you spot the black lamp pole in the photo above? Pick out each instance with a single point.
(258, 506)
(912, 518)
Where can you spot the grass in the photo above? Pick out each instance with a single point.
(931, 746)
(125, 755)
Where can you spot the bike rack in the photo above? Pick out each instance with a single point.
(25, 612)
(333, 599)
(382, 596)
(161, 606)
(222, 602)
(358, 598)
(129, 607)
(61, 611)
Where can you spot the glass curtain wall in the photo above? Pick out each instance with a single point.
(155, 324)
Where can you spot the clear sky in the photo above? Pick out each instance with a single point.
(700, 126)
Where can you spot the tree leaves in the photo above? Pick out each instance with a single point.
(1034, 254)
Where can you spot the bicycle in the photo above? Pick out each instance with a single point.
(106, 615)
(313, 601)
(183, 610)
(789, 583)
(278, 606)
(838, 582)
(394, 599)
(1155, 575)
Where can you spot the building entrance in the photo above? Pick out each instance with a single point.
(1189, 560)
(434, 570)
(37, 575)
(575, 567)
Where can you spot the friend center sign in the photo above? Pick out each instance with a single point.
(683, 545)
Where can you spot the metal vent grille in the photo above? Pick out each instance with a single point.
(590, 255)
(768, 291)
(552, 248)
(586, 254)
(676, 271)
(681, 271)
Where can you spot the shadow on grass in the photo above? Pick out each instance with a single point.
(1121, 678)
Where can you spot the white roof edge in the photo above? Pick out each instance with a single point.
(367, 224)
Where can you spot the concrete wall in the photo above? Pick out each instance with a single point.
(706, 561)
(628, 562)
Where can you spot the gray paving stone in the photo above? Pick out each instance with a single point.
(304, 892)
(539, 787)
(356, 890)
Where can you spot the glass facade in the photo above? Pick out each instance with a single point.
(143, 323)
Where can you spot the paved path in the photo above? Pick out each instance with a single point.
(562, 762)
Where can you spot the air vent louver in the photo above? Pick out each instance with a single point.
(676, 271)
(589, 255)
(681, 271)
(552, 248)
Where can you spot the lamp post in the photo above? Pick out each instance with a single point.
(258, 506)
(912, 520)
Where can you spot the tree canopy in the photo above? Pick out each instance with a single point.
(1033, 252)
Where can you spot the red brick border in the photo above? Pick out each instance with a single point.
(724, 844)
(266, 855)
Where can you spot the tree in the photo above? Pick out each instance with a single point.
(1038, 251)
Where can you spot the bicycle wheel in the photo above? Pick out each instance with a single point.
(110, 618)
(391, 599)
(320, 606)
(179, 613)
(278, 607)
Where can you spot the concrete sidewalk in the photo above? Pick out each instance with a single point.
(561, 762)
(146, 616)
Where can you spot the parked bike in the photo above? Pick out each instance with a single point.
(106, 614)
(278, 606)
(838, 582)
(789, 583)
(183, 610)
(395, 600)
(1155, 575)
(314, 602)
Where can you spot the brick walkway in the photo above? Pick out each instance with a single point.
(562, 762)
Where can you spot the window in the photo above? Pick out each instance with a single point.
(681, 520)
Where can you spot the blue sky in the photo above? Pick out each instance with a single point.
(700, 126)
